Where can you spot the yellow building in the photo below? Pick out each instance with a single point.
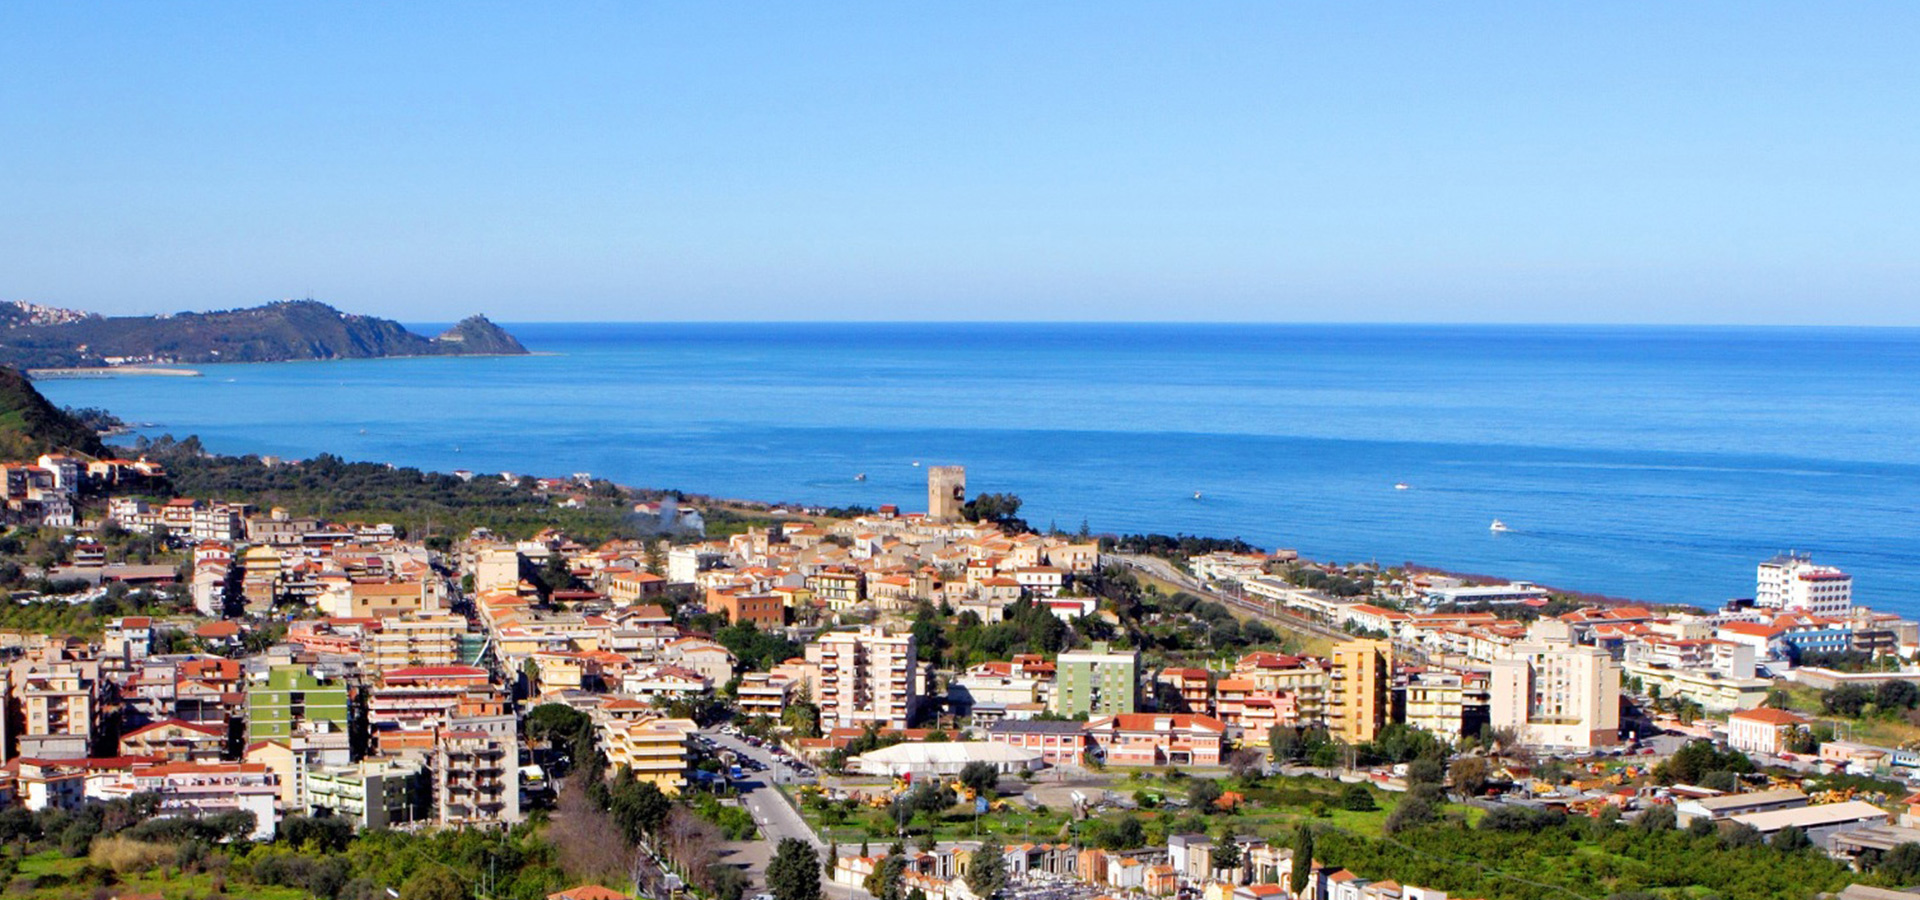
(566, 671)
(1360, 690)
(386, 599)
(652, 749)
(840, 590)
(794, 597)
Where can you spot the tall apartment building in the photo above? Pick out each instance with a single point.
(220, 522)
(58, 712)
(371, 794)
(1097, 682)
(416, 641)
(476, 777)
(1792, 582)
(866, 676)
(293, 699)
(1556, 693)
(1359, 698)
(1450, 703)
(54, 696)
(946, 492)
(262, 568)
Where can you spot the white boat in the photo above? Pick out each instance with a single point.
(1401, 486)
(1196, 495)
(860, 477)
(1497, 526)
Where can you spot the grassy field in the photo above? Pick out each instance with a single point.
(1013, 823)
(1880, 732)
(1274, 807)
(53, 876)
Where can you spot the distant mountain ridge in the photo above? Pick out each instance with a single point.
(34, 336)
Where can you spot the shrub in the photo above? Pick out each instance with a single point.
(1408, 813)
(124, 855)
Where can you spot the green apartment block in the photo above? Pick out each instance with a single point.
(293, 699)
(1097, 682)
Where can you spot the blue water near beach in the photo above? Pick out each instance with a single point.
(1654, 463)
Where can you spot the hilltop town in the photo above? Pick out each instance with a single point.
(53, 341)
(206, 695)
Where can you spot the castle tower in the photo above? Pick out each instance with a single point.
(946, 492)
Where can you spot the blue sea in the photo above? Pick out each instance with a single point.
(1655, 463)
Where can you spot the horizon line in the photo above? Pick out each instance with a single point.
(1199, 322)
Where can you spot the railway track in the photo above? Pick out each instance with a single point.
(1264, 609)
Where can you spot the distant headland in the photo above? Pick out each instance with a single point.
(43, 337)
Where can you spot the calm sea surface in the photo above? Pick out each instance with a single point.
(1656, 463)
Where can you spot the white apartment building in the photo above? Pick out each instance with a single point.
(374, 793)
(204, 789)
(66, 472)
(866, 676)
(762, 694)
(424, 640)
(1435, 701)
(1556, 693)
(1728, 658)
(1791, 581)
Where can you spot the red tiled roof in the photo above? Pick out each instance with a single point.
(1768, 716)
(435, 672)
(588, 892)
(210, 730)
(1150, 721)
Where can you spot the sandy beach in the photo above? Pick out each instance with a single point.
(111, 372)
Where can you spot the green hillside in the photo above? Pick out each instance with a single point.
(288, 330)
(31, 425)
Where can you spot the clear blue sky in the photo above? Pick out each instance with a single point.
(1658, 162)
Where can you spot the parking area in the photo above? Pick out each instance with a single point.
(1041, 886)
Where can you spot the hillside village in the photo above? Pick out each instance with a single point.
(1037, 714)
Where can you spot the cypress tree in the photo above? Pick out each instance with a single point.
(1302, 860)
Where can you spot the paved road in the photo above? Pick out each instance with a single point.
(776, 818)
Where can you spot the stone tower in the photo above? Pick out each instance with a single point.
(946, 492)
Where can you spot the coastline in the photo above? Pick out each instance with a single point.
(111, 372)
(1289, 449)
(75, 372)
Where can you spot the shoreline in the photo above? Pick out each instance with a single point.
(111, 372)
(73, 372)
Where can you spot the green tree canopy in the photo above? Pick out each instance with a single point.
(987, 874)
(794, 872)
